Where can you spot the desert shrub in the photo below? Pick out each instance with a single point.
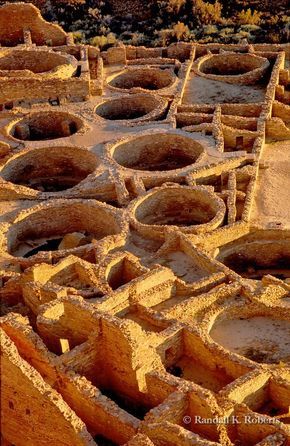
(210, 29)
(180, 31)
(241, 36)
(227, 21)
(273, 20)
(175, 5)
(98, 41)
(273, 37)
(164, 36)
(226, 31)
(79, 37)
(94, 13)
(137, 39)
(207, 12)
(247, 17)
(167, 12)
(104, 41)
(250, 28)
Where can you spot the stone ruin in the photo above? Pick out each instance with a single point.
(144, 241)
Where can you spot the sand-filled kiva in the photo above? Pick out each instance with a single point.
(144, 241)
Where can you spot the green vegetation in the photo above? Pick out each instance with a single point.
(166, 21)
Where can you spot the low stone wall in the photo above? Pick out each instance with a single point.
(45, 125)
(31, 63)
(32, 89)
(232, 67)
(192, 210)
(142, 78)
(139, 107)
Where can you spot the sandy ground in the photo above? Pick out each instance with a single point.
(201, 90)
(272, 197)
(259, 338)
(183, 266)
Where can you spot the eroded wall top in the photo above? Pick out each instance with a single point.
(18, 17)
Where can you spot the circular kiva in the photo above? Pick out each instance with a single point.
(257, 334)
(188, 209)
(234, 68)
(50, 169)
(253, 258)
(145, 78)
(42, 126)
(159, 152)
(43, 228)
(135, 107)
(29, 63)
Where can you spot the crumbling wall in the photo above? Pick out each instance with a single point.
(28, 18)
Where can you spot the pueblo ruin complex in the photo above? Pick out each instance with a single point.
(144, 241)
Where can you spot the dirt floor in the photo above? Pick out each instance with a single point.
(200, 90)
(272, 203)
(183, 266)
(261, 339)
(195, 372)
